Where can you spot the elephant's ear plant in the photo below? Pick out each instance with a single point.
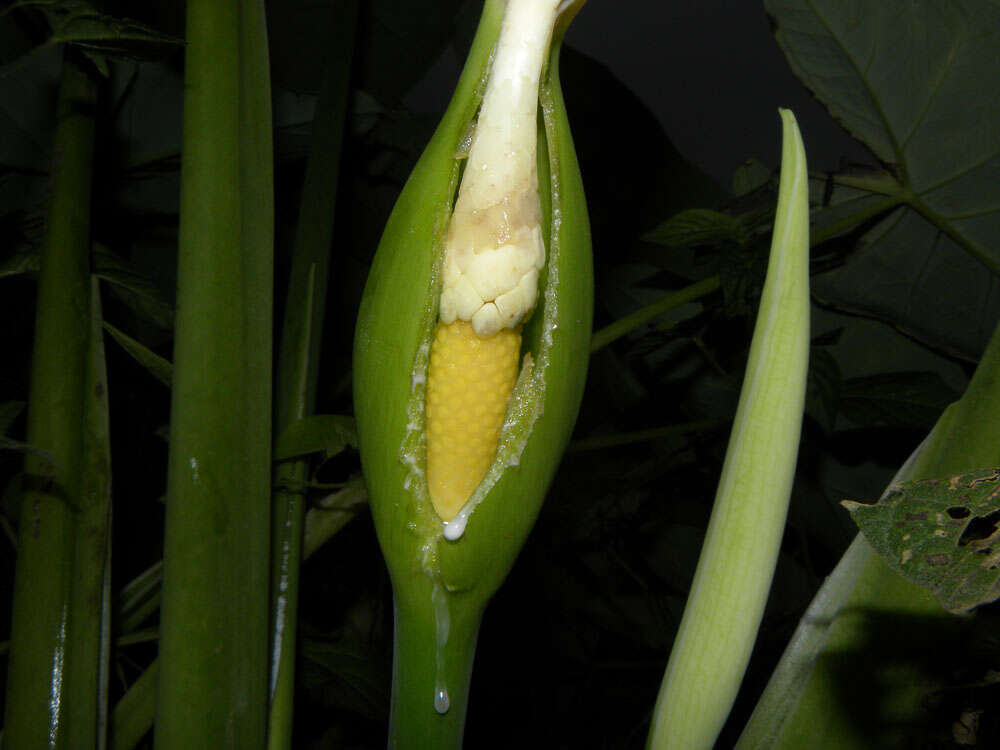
(471, 352)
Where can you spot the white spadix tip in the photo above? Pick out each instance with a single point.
(494, 249)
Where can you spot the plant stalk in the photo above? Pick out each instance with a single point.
(625, 325)
(90, 613)
(823, 688)
(132, 716)
(39, 679)
(212, 687)
(431, 671)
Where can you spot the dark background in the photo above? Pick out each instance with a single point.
(666, 101)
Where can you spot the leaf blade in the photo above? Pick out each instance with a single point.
(919, 527)
(915, 85)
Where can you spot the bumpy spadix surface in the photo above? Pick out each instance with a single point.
(494, 248)
(469, 381)
(492, 257)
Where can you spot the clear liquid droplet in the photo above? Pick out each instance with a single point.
(442, 627)
(441, 701)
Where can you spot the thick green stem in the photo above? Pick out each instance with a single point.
(37, 677)
(431, 670)
(788, 680)
(132, 717)
(827, 690)
(212, 688)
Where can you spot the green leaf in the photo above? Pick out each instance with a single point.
(133, 287)
(916, 83)
(19, 263)
(132, 716)
(126, 281)
(927, 531)
(843, 209)
(159, 368)
(741, 277)
(322, 433)
(77, 22)
(139, 598)
(749, 176)
(896, 399)
(696, 226)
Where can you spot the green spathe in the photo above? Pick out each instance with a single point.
(731, 584)
(442, 585)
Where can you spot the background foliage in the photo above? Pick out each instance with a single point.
(575, 643)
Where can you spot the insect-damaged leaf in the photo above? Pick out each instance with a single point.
(940, 533)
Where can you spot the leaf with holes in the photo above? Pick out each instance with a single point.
(940, 533)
